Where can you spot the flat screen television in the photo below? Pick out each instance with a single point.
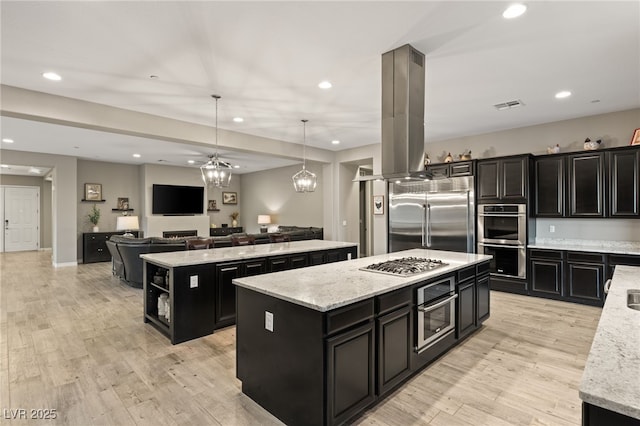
(177, 200)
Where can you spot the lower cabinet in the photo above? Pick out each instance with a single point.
(473, 304)
(350, 373)
(394, 337)
(547, 272)
(483, 298)
(467, 311)
(225, 308)
(585, 281)
(279, 263)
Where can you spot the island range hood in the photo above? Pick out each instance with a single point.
(403, 83)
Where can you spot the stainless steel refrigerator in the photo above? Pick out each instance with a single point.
(435, 214)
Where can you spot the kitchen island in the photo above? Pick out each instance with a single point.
(610, 386)
(320, 345)
(196, 285)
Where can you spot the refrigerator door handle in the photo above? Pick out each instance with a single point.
(428, 225)
(424, 221)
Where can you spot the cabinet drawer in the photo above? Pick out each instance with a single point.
(461, 169)
(585, 257)
(466, 273)
(546, 254)
(390, 301)
(621, 259)
(348, 316)
(483, 268)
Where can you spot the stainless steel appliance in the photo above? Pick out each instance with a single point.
(502, 233)
(435, 312)
(405, 266)
(434, 214)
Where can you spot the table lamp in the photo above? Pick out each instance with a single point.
(263, 221)
(127, 223)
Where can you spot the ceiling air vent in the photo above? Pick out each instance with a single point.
(509, 105)
(417, 58)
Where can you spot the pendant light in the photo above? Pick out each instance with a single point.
(216, 173)
(304, 180)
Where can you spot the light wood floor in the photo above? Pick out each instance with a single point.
(72, 339)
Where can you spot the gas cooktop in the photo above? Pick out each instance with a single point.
(405, 266)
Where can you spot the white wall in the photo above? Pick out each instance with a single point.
(271, 192)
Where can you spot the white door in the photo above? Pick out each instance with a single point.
(21, 218)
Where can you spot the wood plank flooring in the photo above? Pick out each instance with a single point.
(73, 339)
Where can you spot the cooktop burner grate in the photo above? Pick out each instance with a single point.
(405, 266)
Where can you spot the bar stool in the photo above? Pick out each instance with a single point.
(243, 240)
(279, 238)
(198, 244)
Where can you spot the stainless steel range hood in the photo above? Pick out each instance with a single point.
(403, 83)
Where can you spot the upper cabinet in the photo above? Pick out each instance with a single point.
(589, 184)
(503, 180)
(623, 183)
(586, 185)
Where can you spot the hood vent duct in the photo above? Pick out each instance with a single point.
(403, 85)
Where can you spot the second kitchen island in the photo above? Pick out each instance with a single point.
(321, 344)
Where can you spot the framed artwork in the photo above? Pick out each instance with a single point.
(378, 204)
(229, 198)
(635, 139)
(123, 203)
(211, 206)
(93, 191)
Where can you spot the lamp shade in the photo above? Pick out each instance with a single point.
(127, 223)
(264, 219)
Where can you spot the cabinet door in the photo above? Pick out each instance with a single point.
(394, 337)
(298, 261)
(483, 298)
(513, 179)
(461, 169)
(466, 308)
(350, 373)
(225, 311)
(332, 256)
(280, 263)
(546, 277)
(549, 188)
(624, 181)
(440, 171)
(317, 258)
(586, 190)
(488, 180)
(585, 282)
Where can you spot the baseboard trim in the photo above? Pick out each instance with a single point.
(64, 264)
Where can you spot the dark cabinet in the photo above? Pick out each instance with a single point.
(298, 261)
(546, 273)
(340, 254)
(585, 277)
(279, 263)
(439, 171)
(586, 185)
(549, 186)
(317, 258)
(623, 183)
(483, 298)
(225, 307)
(503, 180)
(455, 169)
(94, 246)
(350, 373)
(466, 308)
(394, 341)
(227, 230)
(191, 298)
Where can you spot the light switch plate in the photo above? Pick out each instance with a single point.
(193, 281)
(268, 321)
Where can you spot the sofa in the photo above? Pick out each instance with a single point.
(126, 251)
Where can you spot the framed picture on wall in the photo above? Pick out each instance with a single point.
(378, 204)
(229, 198)
(635, 139)
(212, 207)
(93, 191)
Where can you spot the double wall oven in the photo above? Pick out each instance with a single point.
(435, 312)
(502, 233)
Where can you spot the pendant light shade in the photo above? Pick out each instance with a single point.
(216, 173)
(304, 180)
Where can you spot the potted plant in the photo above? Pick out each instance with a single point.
(234, 218)
(94, 217)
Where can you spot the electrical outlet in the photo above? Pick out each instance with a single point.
(268, 321)
(344, 223)
(552, 228)
(193, 281)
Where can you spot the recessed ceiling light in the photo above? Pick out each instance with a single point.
(325, 85)
(335, 142)
(191, 162)
(4, 166)
(34, 171)
(49, 75)
(563, 94)
(514, 11)
(7, 140)
(137, 155)
(236, 166)
(238, 119)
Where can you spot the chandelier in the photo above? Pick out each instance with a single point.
(215, 172)
(304, 180)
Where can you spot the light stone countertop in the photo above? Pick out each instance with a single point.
(611, 377)
(174, 259)
(597, 246)
(330, 286)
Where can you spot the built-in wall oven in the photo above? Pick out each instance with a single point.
(502, 233)
(435, 312)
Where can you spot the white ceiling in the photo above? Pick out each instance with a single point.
(266, 59)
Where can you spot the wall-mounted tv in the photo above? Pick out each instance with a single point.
(177, 200)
